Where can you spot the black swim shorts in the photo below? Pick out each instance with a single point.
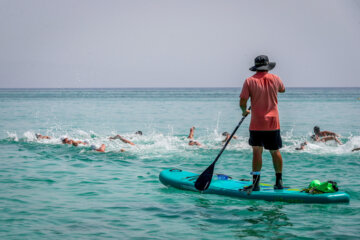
(270, 140)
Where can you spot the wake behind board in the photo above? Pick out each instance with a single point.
(230, 187)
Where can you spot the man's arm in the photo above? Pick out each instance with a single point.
(243, 103)
(281, 86)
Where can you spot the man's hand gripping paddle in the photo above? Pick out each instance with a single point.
(204, 180)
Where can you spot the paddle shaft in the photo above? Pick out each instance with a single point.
(231, 136)
(204, 180)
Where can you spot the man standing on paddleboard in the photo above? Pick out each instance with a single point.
(262, 89)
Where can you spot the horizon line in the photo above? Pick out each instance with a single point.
(10, 88)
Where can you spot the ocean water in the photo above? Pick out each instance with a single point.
(53, 191)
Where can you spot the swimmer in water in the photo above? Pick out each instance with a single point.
(191, 137)
(98, 149)
(194, 143)
(302, 146)
(122, 139)
(324, 136)
(227, 136)
(73, 142)
(102, 148)
(39, 136)
(321, 136)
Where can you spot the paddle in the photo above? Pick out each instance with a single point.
(204, 180)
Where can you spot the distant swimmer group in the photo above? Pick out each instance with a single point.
(318, 136)
(101, 148)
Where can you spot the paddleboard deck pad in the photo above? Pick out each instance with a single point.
(224, 185)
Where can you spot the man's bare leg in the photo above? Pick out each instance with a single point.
(278, 165)
(277, 160)
(257, 159)
(256, 168)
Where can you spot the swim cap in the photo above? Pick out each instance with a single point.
(93, 147)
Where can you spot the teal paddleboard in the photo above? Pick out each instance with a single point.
(227, 186)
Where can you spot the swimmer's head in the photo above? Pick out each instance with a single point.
(37, 135)
(86, 142)
(316, 129)
(139, 133)
(225, 133)
(93, 147)
(63, 139)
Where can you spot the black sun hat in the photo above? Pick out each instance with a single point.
(262, 64)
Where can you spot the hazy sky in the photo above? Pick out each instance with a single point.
(177, 43)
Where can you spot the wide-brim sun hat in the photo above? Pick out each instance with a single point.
(262, 63)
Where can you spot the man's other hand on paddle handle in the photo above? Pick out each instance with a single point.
(247, 112)
(243, 104)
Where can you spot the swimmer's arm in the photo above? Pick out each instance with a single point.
(191, 133)
(126, 141)
(115, 137)
(328, 133)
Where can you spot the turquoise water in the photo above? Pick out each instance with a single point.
(51, 191)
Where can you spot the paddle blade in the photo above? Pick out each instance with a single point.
(204, 180)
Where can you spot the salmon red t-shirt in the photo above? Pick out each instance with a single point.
(262, 88)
